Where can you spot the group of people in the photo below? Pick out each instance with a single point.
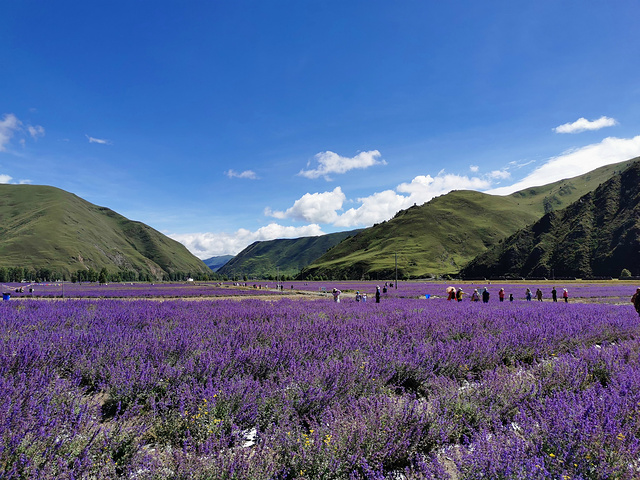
(484, 295)
(360, 297)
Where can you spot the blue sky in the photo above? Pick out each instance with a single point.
(222, 123)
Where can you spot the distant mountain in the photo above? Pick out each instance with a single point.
(444, 234)
(44, 227)
(215, 263)
(283, 256)
(596, 236)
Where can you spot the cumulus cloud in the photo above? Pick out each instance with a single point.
(35, 132)
(582, 124)
(206, 245)
(8, 126)
(100, 141)
(324, 207)
(330, 162)
(384, 205)
(250, 174)
(4, 178)
(474, 168)
(313, 207)
(577, 162)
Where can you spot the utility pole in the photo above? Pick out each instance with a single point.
(396, 270)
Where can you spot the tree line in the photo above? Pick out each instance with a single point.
(29, 274)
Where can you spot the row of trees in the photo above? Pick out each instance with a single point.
(18, 274)
(28, 274)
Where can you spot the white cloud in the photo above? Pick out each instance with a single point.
(499, 174)
(583, 124)
(8, 179)
(35, 132)
(330, 162)
(474, 168)
(8, 126)
(577, 162)
(380, 206)
(101, 141)
(206, 245)
(313, 207)
(250, 174)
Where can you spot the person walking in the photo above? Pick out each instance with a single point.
(565, 295)
(554, 294)
(636, 300)
(336, 295)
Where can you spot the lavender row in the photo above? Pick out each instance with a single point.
(134, 290)
(287, 389)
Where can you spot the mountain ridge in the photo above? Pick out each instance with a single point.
(596, 236)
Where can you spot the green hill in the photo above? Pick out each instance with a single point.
(596, 236)
(443, 235)
(44, 227)
(216, 263)
(284, 256)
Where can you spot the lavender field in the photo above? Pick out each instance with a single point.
(285, 389)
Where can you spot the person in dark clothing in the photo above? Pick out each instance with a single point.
(485, 295)
(378, 294)
(636, 300)
(554, 294)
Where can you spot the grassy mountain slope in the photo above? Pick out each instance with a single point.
(45, 227)
(286, 256)
(444, 234)
(598, 235)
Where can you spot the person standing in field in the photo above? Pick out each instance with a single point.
(501, 294)
(554, 294)
(565, 295)
(528, 295)
(378, 294)
(636, 300)
(539, 295)
(336, 295)
(485, 295)
(459, 294)
(475, 297)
